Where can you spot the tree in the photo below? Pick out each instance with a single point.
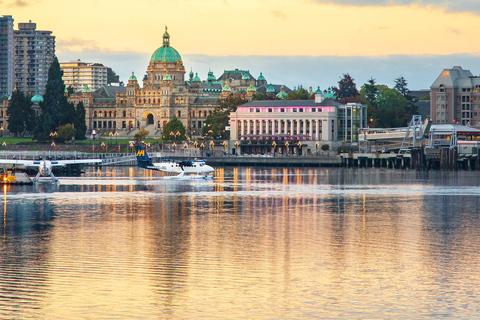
(21, 117)
(369, 91)
(65, 132)
(217, 121)
(300, 94)
(401, 86)
(79, 122)
(140, 135)
(56, 111)
(258, 96)
(174, 130)
(346, 87)
(112, 77)
(392, 109)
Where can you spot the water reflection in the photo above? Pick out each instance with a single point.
(254, 243)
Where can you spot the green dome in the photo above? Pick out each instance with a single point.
(197, 78)
(37, 98)
(166, 53)
(251, 88)
(226, 88)
(211, 77)
(330, 95)
(270, 89)
(318, 91)
(167, 77)
(282, 94)
(86, 89)
(132, 77)
(261, 77)
(245, 77)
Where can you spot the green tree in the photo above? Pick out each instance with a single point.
(300, 94)
(80, 122)
(174, 130)
(21, 117)
(140, 135)
(392, 109)
(56, 111)
(258, 96)
(369, 91)
(401, 86)
(112, 77)
(217, 121)
(346, 88)
(65, 132)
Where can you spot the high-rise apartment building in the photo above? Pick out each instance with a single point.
(34, 53)
(6, 56)
(79, 74)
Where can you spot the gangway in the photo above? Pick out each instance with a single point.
(417, 128)
(119, 159)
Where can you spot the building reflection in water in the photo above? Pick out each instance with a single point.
(307, 241)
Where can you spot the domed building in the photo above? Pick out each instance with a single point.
(164, 94)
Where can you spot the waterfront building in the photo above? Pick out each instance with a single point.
(6, 56)
(455, 97)
(259, 126)
(164, 94)
(78, 74)
(34, 53)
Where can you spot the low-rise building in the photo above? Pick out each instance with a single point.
(289, 125)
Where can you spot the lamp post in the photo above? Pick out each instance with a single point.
(274, 145)
(286, 145)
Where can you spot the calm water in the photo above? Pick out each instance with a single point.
(121, 243)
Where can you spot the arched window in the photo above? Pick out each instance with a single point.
(148, 100)
(124, 114)
(193, 114)
(164, 114)
(144, 100)
(110, 114)
(179, 113)
(94, 114)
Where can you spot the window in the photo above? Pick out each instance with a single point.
(270, 110)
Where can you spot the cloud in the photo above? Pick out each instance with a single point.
(420, 71)
(472, 6)
(279, 14)
(75, 44)
(21, 3)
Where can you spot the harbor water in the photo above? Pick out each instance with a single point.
(253, 243)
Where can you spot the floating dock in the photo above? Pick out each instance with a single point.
(15, 178)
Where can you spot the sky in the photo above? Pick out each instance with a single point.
(292, 42)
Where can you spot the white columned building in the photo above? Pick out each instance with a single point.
(263, 126)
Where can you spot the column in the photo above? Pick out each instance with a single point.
(312, 137)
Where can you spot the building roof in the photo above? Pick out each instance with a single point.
(264, 87)
(290, 103)
(166, 53)
(37, 98)
(236, 75)
(449, 77)
(206, 100)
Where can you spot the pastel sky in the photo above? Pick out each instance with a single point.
(307, 42)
